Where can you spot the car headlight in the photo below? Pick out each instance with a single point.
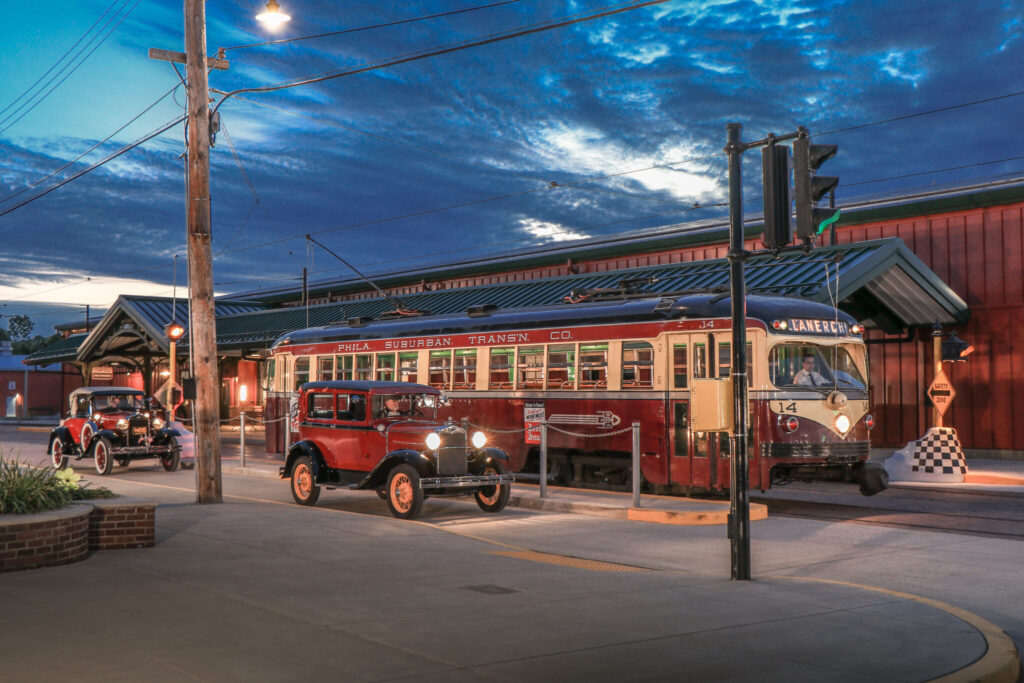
(479, 439)
(158, 423)
(122, 424)
(842, 424)
(433, 441)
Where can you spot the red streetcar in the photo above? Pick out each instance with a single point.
(594, 367)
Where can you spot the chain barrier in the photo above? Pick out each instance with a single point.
(590, 436)
(490, 430)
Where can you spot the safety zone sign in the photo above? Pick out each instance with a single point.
(941, 392)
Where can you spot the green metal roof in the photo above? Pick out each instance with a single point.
(63, 351)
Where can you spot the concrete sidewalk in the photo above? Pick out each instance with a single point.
(262, 591)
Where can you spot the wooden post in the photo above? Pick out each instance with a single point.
(203, 328)
(937, 360)
(172, 363)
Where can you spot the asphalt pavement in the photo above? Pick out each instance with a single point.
(260, 589)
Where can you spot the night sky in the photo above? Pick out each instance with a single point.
(651, 86)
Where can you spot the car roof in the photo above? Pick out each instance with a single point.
(369, 385)
(106, 391)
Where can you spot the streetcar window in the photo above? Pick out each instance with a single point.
(531, 367)
(320, 406)
(343, 367)
(407, 366)
(301, 371)
(364, 367)
(502, 367)
(440, 369)
(725, 361)
(385, 367)
(593, 366)
(561, 366)
(271, 368)
(844, 369)
(700, 360)
(325, 368)
(811, 365)
(679, 366)
(464, 371)
(637, 365)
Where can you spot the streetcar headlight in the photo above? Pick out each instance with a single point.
(158, 423)
(433, 441)
(122, 424)
(842, 424)
(479, 440)
(869, 421)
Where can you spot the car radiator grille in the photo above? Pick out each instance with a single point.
(138, 431)
(841, 451)
(451, 455)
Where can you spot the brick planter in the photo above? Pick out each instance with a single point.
(44, 540)
(69, 534)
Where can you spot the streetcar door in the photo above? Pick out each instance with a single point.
(707, 465)
(678, 411)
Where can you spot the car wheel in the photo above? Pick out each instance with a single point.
(493, 498)
(101, 455)
(382, 494)
(172, 458)
(57, 457)
(304, 488)
(405, 497)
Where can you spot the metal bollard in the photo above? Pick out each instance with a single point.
(636, 464)
(287, 435)
(543, 458)
(241, 432)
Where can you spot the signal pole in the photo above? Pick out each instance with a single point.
(203, 327)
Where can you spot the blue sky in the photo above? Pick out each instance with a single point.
(647, 87)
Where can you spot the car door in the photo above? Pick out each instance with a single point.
(357, 446)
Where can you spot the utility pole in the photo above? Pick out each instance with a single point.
(203, 330)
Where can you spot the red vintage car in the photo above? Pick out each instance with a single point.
(111, 424)
(385, 436)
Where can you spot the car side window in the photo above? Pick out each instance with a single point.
(357, 407)
(82, 406)
(320, 406)
(344, 407)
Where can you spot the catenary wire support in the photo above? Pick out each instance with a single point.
(636, 475)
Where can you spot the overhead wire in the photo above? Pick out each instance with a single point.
(368, 28)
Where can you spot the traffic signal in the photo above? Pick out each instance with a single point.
(809, 188)
(174, 331)
(778, 228)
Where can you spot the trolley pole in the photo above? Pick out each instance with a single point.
(739, 495)
(203, 328)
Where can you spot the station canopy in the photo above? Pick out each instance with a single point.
(880, 282)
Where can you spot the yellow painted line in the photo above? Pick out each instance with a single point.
(758, 512)
(44, 430)
(568, 561)
(999, 664)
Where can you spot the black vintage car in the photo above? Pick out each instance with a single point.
(111, 424)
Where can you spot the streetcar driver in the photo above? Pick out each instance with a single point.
(807, 376)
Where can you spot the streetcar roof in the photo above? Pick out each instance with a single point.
(702, 305)
(370, 385)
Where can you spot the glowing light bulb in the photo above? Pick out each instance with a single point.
(272, 17)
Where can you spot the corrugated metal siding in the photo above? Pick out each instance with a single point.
(980, 254)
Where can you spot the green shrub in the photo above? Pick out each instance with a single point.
(26, 490)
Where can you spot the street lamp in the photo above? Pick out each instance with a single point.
(272, 16)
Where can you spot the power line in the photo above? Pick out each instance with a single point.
(938, 170)
(101, 162)
(86, 152)
(367, 28)
(451, 47)
(73, 69)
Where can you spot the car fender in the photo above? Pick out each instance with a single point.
(378, 476)
(109, 433)
(316, 460)
(493, 454)
(167, 432)
(67, 441)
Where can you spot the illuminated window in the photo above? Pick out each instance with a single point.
(325, 368)
(531, 367)
(502, 367)
(440, 369)
(385, 367)
(465, 369)
(593, 366)
(407, 366)
(301, 371)
(364, 367)
(679, 366)
(562, 366)
(637, 365)
(343, 367)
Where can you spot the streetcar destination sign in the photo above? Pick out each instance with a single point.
(807, 326)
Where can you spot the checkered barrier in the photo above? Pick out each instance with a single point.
(935, 457)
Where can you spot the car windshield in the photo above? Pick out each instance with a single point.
(814, 365)
(109, 402)
(404, 405)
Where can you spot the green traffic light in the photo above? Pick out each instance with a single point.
(829, 221)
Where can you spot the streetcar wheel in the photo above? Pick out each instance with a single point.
(101, 455)
(493, 498)
(304, 488)
(57, 457)
(172, 458)
(405, 497)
